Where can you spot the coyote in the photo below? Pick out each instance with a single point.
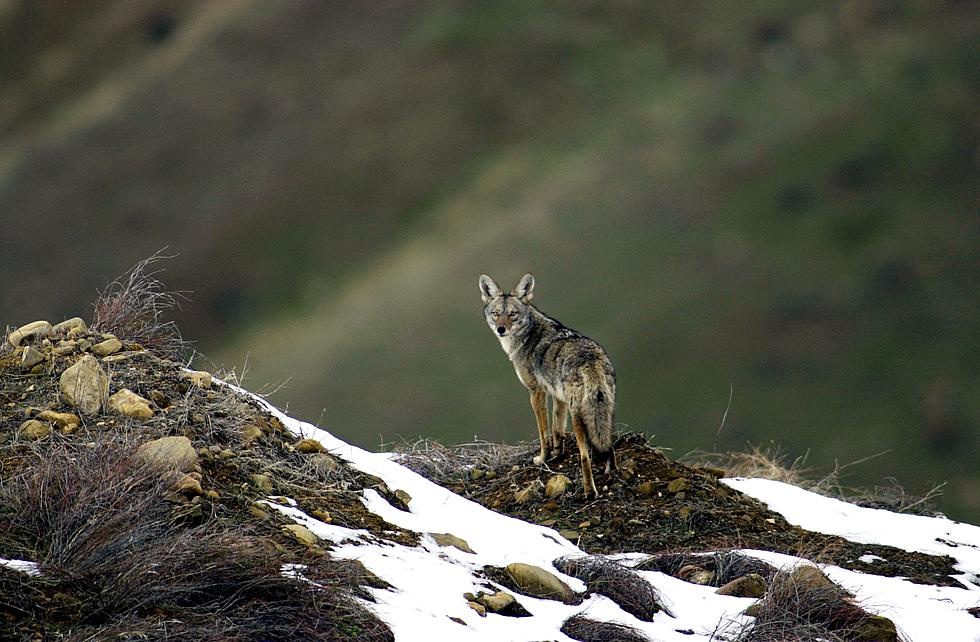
(552, 360)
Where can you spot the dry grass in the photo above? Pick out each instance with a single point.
(115, 559)
(584, 629)
(623, 586)
(452, 464)
(132, 307)
(724, 565)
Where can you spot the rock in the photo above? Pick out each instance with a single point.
(556, 486)
(262, 482)
(107, 347)
(678, 485)
(402, 498)
(84, 345)
(627, 470)
(302, 534)
(875, 628)
(499, 601)
(258, 511)
(751, 585)
(63, 348)
(169, 453)
(85, 385)
(448, 539)
(251, 433)
(479, 608)
(809, 577)
(159, 399)
(569, 534)
(322, 515)
(753, 610)
(189, 485)
(34, 331)
(129, 404)
(695, 575)
(198, 378)
(65, 420)
(307, 446)
(73, 325)
(646, 488)
(477, 474)
(31, 357)
(33, 430)
(537, 582)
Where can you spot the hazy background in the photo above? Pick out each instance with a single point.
(781, 197)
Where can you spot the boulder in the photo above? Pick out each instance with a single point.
(85, 385)
(198, 378)
(308, 446)
(129, 404)
(302, 534)
(537, 582)
(169, 453)
(34, 331)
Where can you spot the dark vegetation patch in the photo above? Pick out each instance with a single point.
(579, 627)
(619, 583)
(651, 505)
(723, 566)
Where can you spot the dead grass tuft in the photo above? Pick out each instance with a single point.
(725, 566)
(132, 308)
(453, 464)
(584, 629)
(620, 584)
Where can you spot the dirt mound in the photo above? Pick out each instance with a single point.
(653, 505)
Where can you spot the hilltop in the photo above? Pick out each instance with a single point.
(141, 499)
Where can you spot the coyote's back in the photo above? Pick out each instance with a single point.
(554, 361)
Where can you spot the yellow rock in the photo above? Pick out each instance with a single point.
(129, 404)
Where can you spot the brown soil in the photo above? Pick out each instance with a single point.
(654, 505)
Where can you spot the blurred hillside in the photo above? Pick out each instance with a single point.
(780, 197)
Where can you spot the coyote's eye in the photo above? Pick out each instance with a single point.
(512, 315)
(495, 314)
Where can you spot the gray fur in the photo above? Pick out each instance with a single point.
(558, 362)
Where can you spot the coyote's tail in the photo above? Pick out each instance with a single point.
(598, 413)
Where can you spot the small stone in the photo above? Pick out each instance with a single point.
(307, 446)
(537, 582)
(491, 474)
(198, 378)
(717, 473)
(448, 539)
(627, 470)
(646, 488)
(34, 331)
(33, 430)
(116, 358)
(129, 404)
(569, 534)
(107, 347)
(63, 348)
(258, 511)
(479, 608)
(402, 498)
(84, 345)
(262, 482)
(226, 453)
(302, 534)
(85, 385)
(751, 585)
(73, 325)
(169, 452)
(212, 494)
(251, 433)
(64, 420)
(31, 357)
(499, 601)
(477, 474)
(159, 399)
(753, 610)
(322, 515)
(678, 485)
(556, 486)
(188, 485)
(875, 628)
(695, 575)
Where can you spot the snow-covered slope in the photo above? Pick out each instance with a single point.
(428, 582)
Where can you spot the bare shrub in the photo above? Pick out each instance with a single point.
(620, 584)
(579, 627)
(132, 308)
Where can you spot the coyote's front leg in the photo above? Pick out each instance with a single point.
(539, 402)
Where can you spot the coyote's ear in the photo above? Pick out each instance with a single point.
(523, 291)
(488, 289)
